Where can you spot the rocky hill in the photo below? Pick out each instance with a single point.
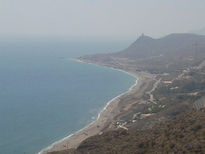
(171, 53)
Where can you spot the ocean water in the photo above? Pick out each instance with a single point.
(44, 96)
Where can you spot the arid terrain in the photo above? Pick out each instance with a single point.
(164, 111)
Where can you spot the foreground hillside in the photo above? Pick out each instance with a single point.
(184, 134)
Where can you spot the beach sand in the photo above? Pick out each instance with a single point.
(105, 118)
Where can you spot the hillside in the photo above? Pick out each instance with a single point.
(180, 44)
(184, 134)
(160, 116)
(177, 64)
(168, 54)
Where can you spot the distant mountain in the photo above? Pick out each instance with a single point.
(172, 44)
(200, 31)
(156, 55)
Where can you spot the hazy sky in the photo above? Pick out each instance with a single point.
(100, 19)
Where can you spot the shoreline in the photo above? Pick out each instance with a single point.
(104, 117)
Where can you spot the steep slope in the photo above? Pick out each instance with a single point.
(172, 44)
(183, 134)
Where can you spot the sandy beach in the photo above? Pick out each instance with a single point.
(105, 118)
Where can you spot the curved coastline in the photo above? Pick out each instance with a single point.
(55, 146)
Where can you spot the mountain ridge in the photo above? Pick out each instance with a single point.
(156, 55)
(148, 46)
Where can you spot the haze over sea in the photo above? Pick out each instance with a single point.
(44, 96)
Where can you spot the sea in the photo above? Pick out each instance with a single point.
(45, 96)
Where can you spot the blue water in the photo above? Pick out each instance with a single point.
(44, 96)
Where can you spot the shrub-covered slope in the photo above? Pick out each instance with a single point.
(183, 134)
